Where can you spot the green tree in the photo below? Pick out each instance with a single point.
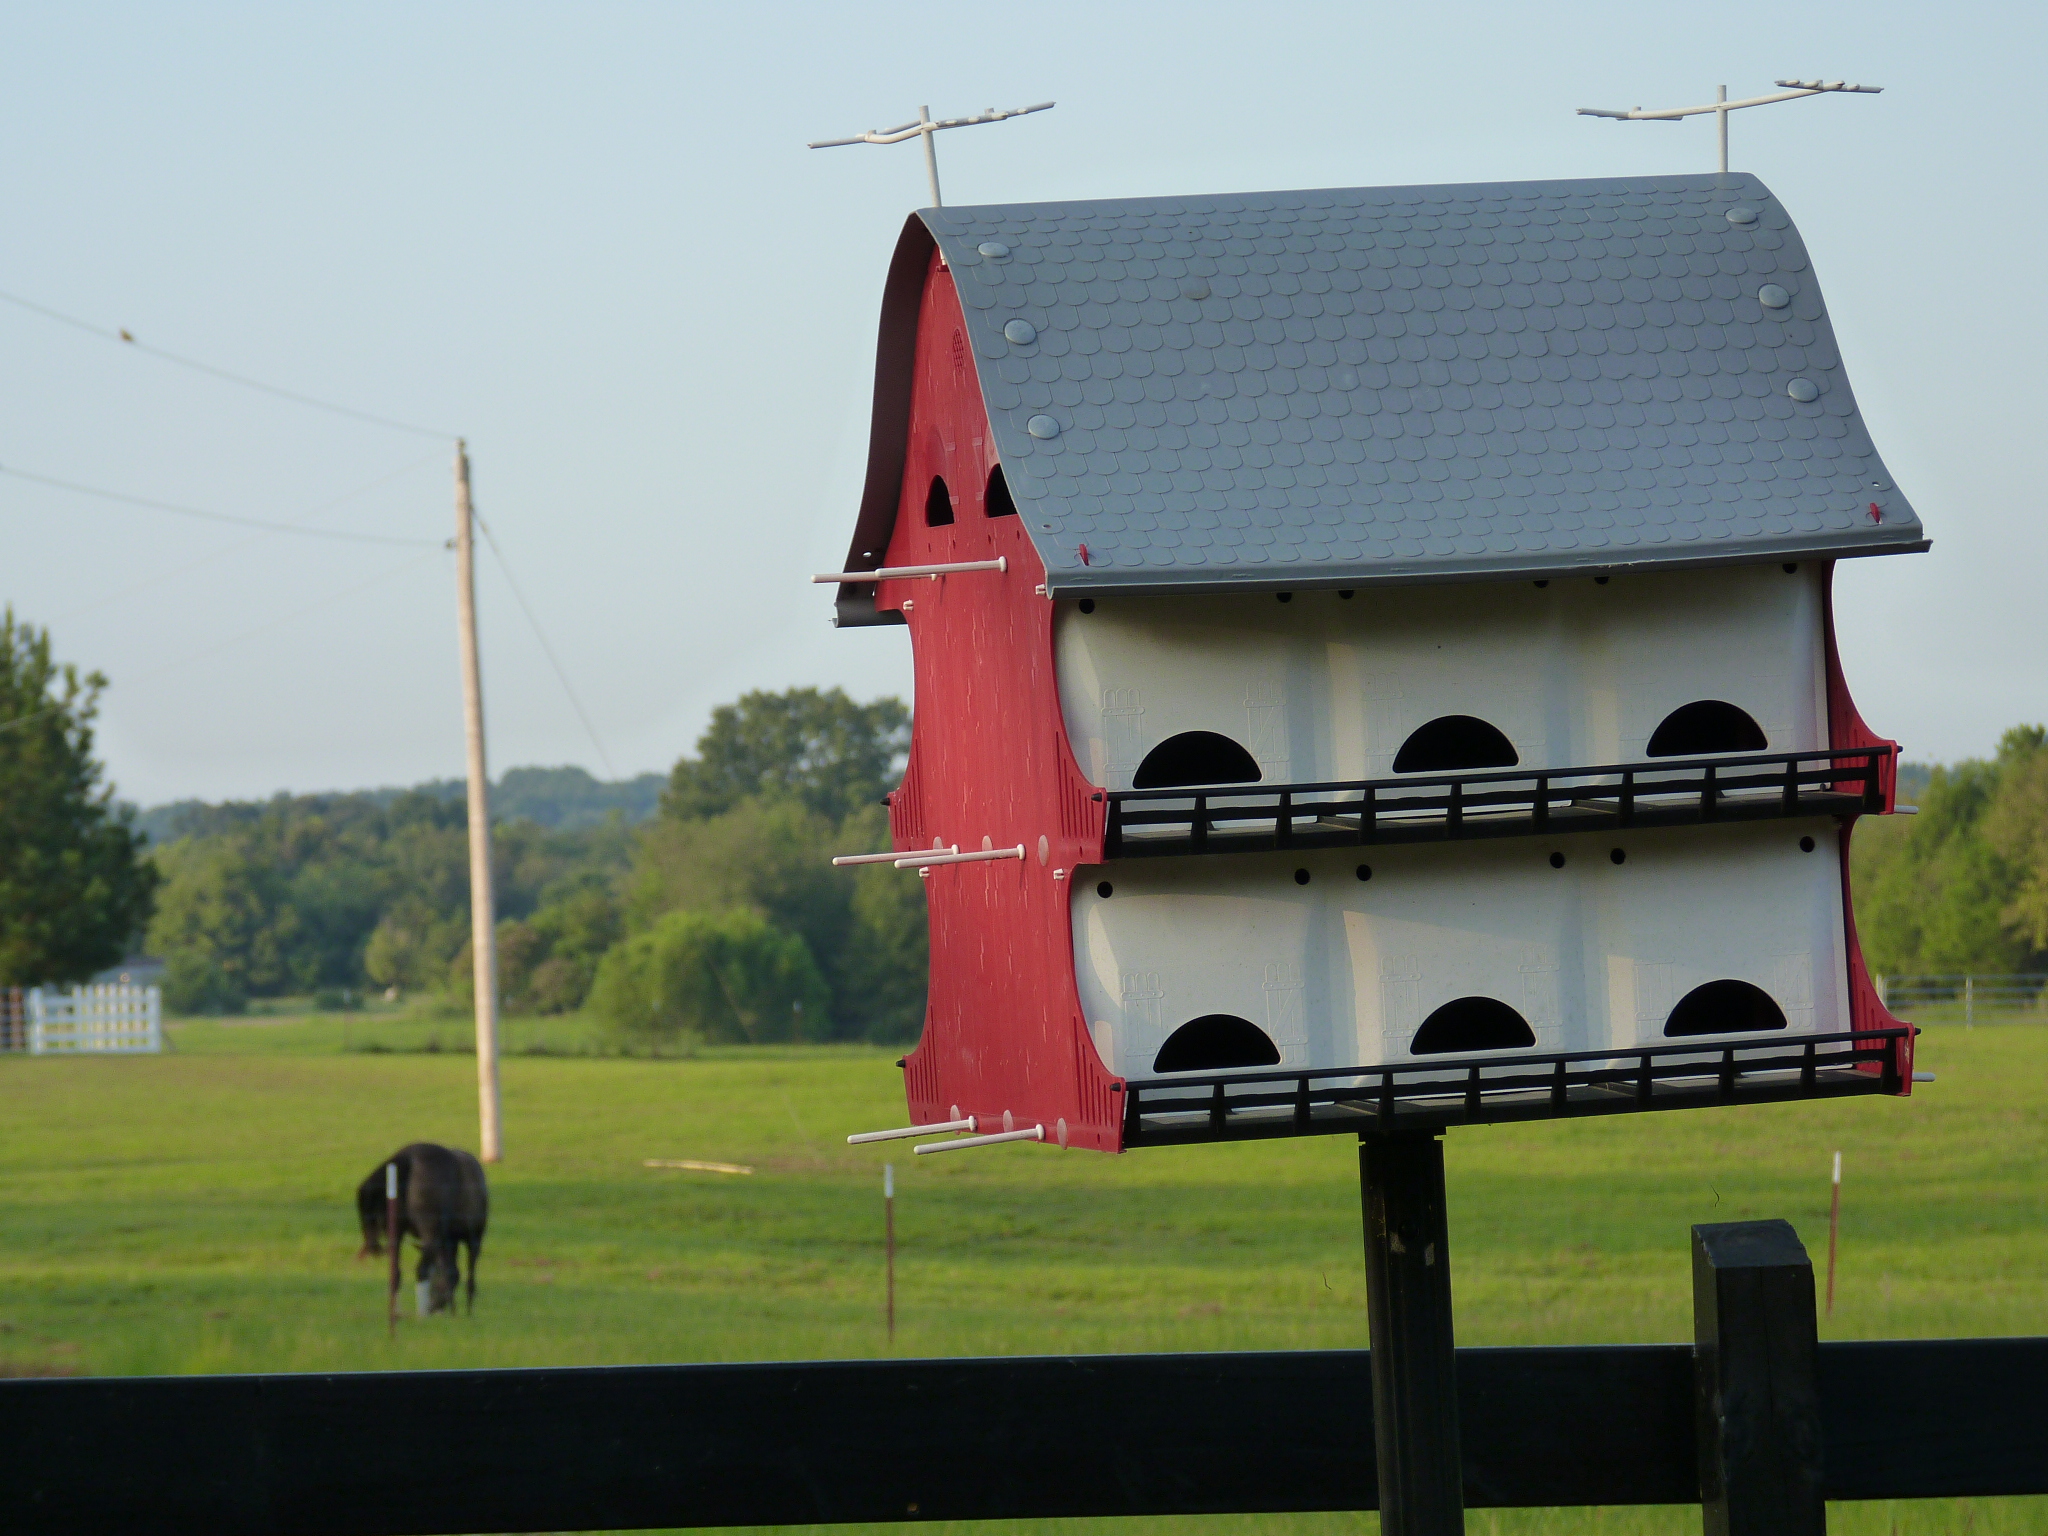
(547, 962)
(2016, 828)
(74, 888)
(770, 857)
(708, 976)
(298, 893)
(820, 748)
(878, 973)
(1962, 885)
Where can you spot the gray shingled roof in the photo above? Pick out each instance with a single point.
(1332, 388)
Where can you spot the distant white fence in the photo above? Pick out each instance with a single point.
(1984, 996)
(104, 1019)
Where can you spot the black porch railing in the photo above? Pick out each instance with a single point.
(1530, 1085)
(1265, 818)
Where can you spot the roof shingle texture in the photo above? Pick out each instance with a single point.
(1415, 383)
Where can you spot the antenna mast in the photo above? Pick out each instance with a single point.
(926, 129)
(1721, 106)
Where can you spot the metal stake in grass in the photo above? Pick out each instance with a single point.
(889, 1240)
(1834, 1225)
(391, 1232)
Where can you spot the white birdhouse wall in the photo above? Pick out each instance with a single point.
(1320, 687)
(1339, 971)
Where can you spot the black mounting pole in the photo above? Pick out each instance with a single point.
(1756, 1352)
(1414, 1361)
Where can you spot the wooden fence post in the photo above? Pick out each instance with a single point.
(1756, 1351)
(1414, 1361)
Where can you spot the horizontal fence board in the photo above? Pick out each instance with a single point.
(413, 1454)
(1937, 1418)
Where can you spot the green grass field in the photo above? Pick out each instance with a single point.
(192, 1213)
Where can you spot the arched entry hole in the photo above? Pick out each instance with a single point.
(1706, 726)
(1472, 1024)
(997, 502)
(1215, 1042)
(1724, 1008)
(1452, 744)
(1196, 757)
(938, 505)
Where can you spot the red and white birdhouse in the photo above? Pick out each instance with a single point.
(1373, 655)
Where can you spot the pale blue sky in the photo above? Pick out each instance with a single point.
(590, 239)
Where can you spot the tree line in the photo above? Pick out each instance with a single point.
(1963, 885)
(704, 907)
(718, 918)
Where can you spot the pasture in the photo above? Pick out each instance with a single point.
(192, 1213)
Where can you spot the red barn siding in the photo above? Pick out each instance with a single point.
(989, 766)
(1847, 729)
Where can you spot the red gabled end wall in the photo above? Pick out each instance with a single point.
(1847, 729)
(989, 767)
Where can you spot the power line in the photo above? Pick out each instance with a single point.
(546, 649)
(127, 338)
(158, 578)
(217, 517)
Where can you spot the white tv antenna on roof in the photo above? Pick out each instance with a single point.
(1722, 106)
(924, 127)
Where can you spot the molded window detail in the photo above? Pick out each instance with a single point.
(938, 505)
(1472, 1024)
(1452, 744)
(1724, 1008)
(1214, 1043)
(997, 503)
(1196, 757)
(1706, 726)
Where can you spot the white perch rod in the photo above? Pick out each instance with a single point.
(907, 572)
(1035, 1133)
(927, 860)
(842, 860)
(904, 1132)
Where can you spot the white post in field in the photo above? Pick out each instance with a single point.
(483, 917)
(1834, 1228)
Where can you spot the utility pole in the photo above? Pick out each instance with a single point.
(483, 917)
(1721, 106)
(928, 130)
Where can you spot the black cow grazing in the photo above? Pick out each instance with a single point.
(443, 1203)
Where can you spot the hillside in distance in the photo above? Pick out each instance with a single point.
(561, 799)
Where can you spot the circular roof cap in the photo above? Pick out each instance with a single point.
(1803, 390)
(1046, 427)
(1022, 332)
(1741, 215)
(1771, 296)
(995, 250)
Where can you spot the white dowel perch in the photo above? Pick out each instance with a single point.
(927, 860)
(842, 860)
(907, 1131)
(1035, 1133)
(910, 572)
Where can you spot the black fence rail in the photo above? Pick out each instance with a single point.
(1529, 1085)
(417, 1453)
(1152, 823)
